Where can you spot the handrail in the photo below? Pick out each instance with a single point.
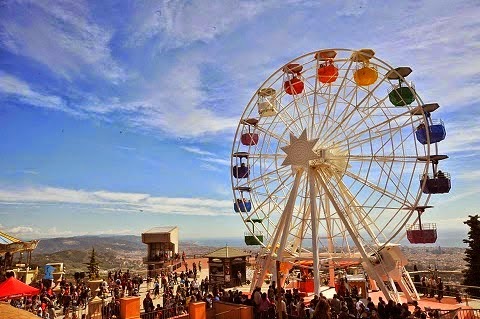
(236, 311)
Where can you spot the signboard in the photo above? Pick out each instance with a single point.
(49, 272)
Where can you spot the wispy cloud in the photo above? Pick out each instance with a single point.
(216, 160)
(352, 8)
(184, 110)
(196, 150)
(11, 86)
(211, 159)
(59, 35)
(462, 135)
(470, 175)
(22, 230)
(178, 23)
(126, 148)
(210, 167)
(115, 201)
(448, 73)
(29, 171)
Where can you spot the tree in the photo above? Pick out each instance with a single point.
(471, 275)
(93, 268)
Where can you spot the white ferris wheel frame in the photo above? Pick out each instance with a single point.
(358, 196)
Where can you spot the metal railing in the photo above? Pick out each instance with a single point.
(456, 314)
(230, 314)
(164, 313)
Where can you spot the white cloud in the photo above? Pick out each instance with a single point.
(352, 8)
(28, 171)
(117, 201)
(59, 35)
(470, 175)
(443, 50)
(216, 160)
(196, 150)
(12, 86)
(22, 230)
(178, 23)
(462, 135)
(178, 105)
(54, 232)
(210, 167)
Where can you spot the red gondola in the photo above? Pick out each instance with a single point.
(249, 138)
(422, 233)
(327, 72)
(294, 84)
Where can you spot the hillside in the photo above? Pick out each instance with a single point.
(113, 252)
(117, 243)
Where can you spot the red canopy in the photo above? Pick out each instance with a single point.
(14, 288)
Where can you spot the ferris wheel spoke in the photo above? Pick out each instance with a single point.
(339, 125)
(282, 113)
(360, 138)
(353, 127)
(271, 134)
(303, 210)
(374, 187)
(394, 177)
(267, 174)
(362, 216)
(268, 199)
(342, 212)
(315, 88)
(271, 156)
(300, 114)
(340, 201)
(348, 103)
(331, 105)
(378, 158)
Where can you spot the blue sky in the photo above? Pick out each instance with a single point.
(117, 116)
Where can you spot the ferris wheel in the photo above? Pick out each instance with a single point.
(333, 156)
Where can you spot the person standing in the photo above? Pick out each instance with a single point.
(239, 278)
(439, 289)
(148, 303)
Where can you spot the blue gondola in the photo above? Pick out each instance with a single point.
(242, 206)
(437, 133)
(438, 184)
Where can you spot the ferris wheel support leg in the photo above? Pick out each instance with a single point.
(263, 271)
(287, 222)
(331, 265)
(366, 260)
(314, 224)
(281, 230)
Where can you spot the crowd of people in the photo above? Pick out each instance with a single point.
(70, 298)
(432, 287)
(64, 301)
(169, 293)
(291, 304)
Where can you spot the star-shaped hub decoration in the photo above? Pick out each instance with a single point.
(300, 151)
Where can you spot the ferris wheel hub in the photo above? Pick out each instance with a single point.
(300, 151)
(330, 160)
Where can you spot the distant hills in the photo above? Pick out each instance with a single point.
(125, 243)
(126, 251)
(112, 252)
